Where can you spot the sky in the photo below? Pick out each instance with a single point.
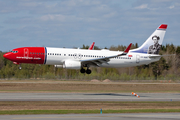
(72, 23)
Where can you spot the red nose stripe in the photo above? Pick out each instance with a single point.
(6, 55)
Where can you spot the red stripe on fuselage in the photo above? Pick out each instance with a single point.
(34, 55)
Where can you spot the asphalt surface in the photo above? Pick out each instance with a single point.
(89, 97)
(123, 116)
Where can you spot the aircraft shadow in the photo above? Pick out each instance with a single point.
(111, 94)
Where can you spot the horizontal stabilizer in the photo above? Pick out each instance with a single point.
(157, 56)
(154, 56)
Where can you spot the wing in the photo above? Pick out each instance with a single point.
(99, 61)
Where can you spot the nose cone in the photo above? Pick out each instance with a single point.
(7, 55)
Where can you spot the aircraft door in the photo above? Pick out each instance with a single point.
(26, 52)
(137, 58)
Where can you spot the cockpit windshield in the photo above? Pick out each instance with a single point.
(14, 51)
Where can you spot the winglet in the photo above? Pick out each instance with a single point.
(92, 45)
(126, 51)
(128, 48)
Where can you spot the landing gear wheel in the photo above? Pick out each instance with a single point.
(20, 67)
(82, 70)
(88, 71)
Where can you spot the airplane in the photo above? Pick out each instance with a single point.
(83, 59)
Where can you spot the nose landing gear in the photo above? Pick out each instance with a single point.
(20, 67)
(18, 64)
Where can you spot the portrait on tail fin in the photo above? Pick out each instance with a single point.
(154, 49)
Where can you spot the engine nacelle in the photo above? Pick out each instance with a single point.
(69, 64)
(58, 66)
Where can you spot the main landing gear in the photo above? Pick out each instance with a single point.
(88, 71)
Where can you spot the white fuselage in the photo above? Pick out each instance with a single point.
(56, 56)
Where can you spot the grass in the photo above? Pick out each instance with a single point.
(86, 107)
(88, 87)
(26, 112)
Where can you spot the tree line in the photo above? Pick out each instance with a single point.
(167, 68)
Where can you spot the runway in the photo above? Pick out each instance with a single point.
(123, 116)
(89, 97)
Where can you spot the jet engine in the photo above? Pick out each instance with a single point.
(69, 64)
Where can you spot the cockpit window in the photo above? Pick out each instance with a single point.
(14, 51)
